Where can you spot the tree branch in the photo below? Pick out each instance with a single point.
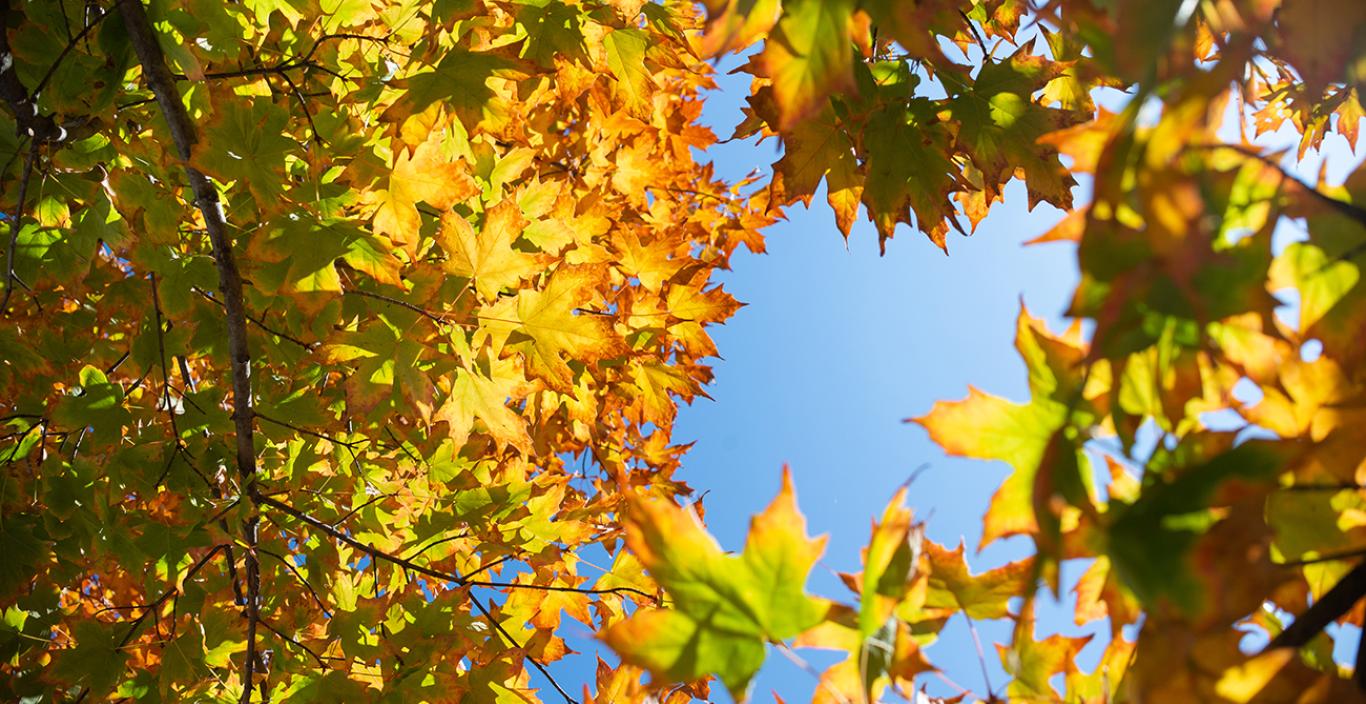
(40, 128)
(1326, 610)
(408, 564)
(158, 78)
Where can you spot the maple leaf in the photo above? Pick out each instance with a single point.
(983, 596)
(460, 83)
(907, 170)
(475, 396)
(251, 148)
(1033, 663)
(808, 56)
(819, 148)
(554, 329)
(421, 175)
(724, 608)
(489, 258)
(999, 125)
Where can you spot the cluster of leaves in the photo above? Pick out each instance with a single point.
(1226, 437)
(334, 332)
(474, 257)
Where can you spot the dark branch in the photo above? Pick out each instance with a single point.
(1326, 610)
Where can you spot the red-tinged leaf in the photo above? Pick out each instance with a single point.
(984, 596)
(808, 56)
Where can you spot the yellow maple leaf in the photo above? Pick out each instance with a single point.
(422, 175)
(554, 330)
(488, 257)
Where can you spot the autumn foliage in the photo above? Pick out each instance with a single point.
(334, 331)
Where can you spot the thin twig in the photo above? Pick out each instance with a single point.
(15, 222)
(261, 324)
(490, 566)
(71, 44)
(986, 54)
(981, 655)
(440, 318)
(435, 543)
(360, 508)
(321, 663)
(303, 103)
(152, 607)
(310, 433)
(322, 605)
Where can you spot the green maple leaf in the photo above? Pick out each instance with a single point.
(387, 365)
(460, 84)
(808, 56)
(724, 607)
(97, 406)
(908, 170)
(246, 142)
(999, 125)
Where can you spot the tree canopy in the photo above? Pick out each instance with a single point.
(334, 331)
